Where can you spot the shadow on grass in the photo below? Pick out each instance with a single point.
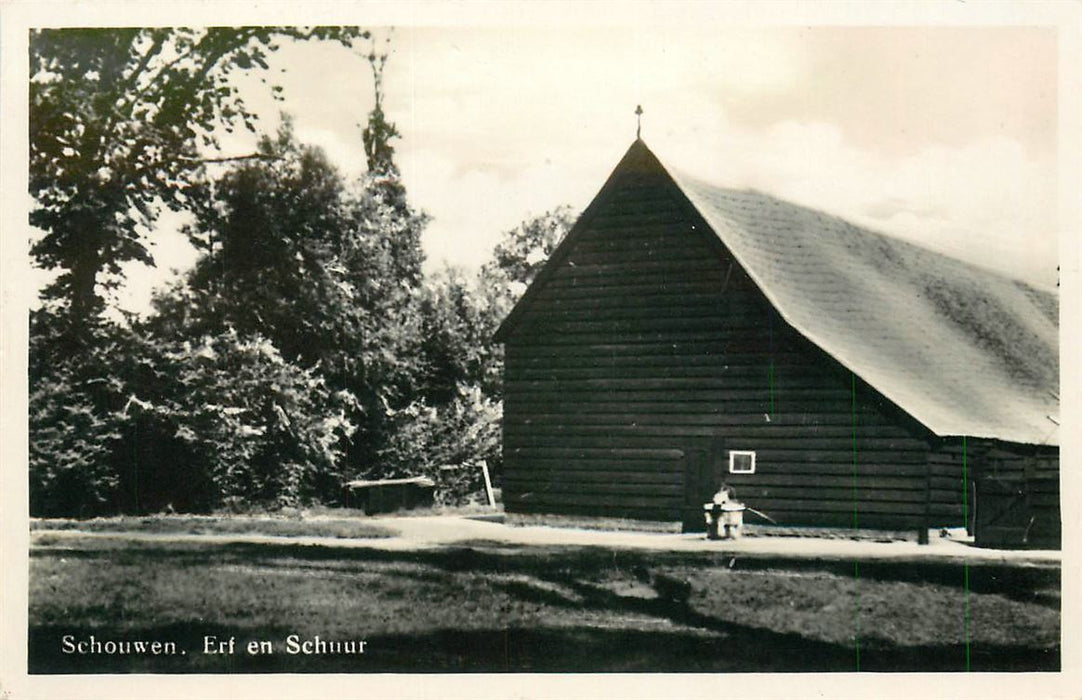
(696, 642)
(1011, 581)
(744, 648)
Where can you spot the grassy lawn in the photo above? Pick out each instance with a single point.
(490, 607)
(220, 525)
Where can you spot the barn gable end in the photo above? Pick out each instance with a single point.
(646, 353)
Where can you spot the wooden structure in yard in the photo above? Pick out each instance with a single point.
(684, 335)
(389, 495)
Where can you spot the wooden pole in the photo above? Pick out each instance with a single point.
(488, 484)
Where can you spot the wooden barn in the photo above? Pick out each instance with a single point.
(683, 336)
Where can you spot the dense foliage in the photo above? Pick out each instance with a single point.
(304, 348)
(119, 123)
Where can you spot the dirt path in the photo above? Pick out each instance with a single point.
(426, 532)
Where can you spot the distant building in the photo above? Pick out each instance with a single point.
(684, 335)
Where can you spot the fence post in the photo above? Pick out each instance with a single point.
(488, 484)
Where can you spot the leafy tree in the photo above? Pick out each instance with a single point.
(384, 185)
(297, 255)
(523, 250)
(516, 260)
(379, 132)
(455, 422)
(119, 119)
(139, 423)
(457, 324)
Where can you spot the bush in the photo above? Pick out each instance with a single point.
(71, 470)
(140, 424)
(266, 431)
(445, 443)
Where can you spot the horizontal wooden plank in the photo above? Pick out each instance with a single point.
(815, 510)
(610, 500)
(530, 434)
(807, 443)
(712, 311)
(645, 239)
(862, 494)
(519, 396)
(629, 189)
(946, 483)
(767, 454)
(751, 330)
(809, 435)
(749, 404)
(522, 490)
(605, 452)
(664, 356)
(619, 289)
(747, 486)
(652, 301)
(644, 272)
(762, 372)
(763, 378)
(945, 471)
(815, 479)
(786, 412)
(614, 220)
(692, 265)
(636, 469)
(599, 436)
(678, 252)
(669, 514)
(612, 384)
(657, 203)
(756, 416)
(862, 506)
(844, 520)
(840, 520)
(738, 342)
(541, 351)
(523, 475)
(783, 469)
(629, 460)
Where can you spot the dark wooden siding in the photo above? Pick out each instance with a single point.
(1012, 496)
(647, 354)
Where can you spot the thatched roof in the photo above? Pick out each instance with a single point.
(963, 350)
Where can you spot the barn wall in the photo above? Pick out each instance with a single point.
(647, 355)
(1012, 496)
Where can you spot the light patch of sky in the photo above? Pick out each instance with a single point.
(944, 136)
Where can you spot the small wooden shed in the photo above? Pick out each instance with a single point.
(684, 335)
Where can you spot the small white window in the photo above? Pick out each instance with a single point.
(741, 462)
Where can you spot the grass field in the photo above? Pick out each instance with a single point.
(220, 525)
(493, 607)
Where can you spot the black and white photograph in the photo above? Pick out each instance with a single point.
(541, 350)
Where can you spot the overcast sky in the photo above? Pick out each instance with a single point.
(944, 136)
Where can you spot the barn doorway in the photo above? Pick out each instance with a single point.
(705, 469)
(1015, 512)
